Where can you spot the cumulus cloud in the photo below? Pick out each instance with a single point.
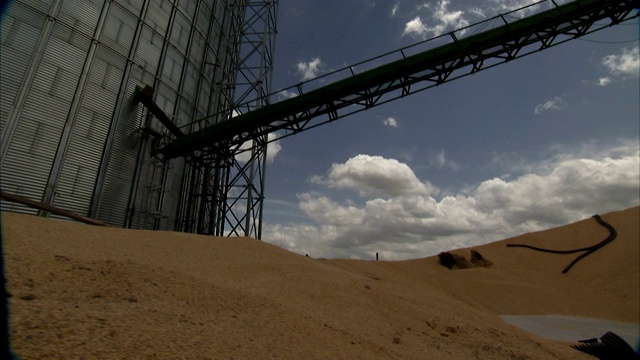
(300, 238)
(443, 19)
(328, 212)
(626, 64)
(556, 103)
(375, 175)
(273, 149)
(406, 220)
(391, 122)
(309, 70)
(415, 27)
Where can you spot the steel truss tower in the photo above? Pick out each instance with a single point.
(226, 181)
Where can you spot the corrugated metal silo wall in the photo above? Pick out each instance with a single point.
(71, 133)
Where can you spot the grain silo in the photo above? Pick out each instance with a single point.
(73, 134)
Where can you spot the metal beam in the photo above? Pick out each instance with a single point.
(50, 208)
(461, 57)
(145, 96)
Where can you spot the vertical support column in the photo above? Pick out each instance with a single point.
(253, 81)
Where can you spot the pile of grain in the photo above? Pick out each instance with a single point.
(81, 291)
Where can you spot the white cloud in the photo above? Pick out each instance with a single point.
(604, 81)
(391, 122)
(273, 149)
(375, 175)
(302, 239)
(510, 5)
(395, 9)
(626, 64)
(286, 94)
(406, 221)
(440, 160)
(415, 26)
(478, 12)
(328, 212)
(529, 7)
(556, 103)
(444, 20)
(309, 70)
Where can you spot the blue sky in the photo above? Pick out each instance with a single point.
(539, 142)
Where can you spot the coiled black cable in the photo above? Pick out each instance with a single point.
(589, 250)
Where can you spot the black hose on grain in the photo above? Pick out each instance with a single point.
(588, 250)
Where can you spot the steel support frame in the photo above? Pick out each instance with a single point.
(227, 190)
(461, 57)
